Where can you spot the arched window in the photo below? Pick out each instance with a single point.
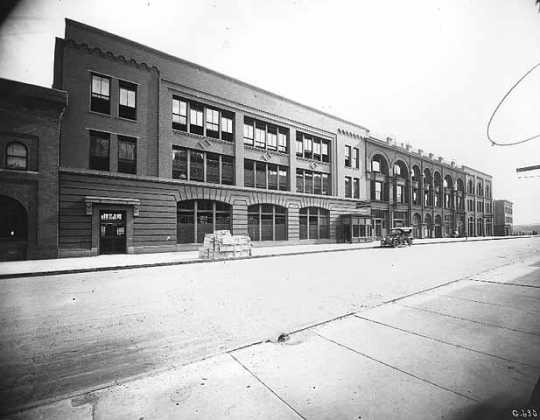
(267, 222)
(314, 223)
(195, 218)
(479, 189)
(16, 156)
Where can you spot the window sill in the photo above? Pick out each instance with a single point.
(260, 149)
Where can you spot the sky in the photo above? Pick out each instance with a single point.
(429, 72)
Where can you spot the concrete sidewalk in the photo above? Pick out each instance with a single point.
(12, 269)
(468, 350)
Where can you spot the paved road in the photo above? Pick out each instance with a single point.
(64, 334)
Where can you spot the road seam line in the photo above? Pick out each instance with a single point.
(418, 308)
(396, 368)
(489, 303)
(267, 387)
(506, 284)
(446, 342)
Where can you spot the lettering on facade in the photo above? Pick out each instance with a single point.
(111, 217)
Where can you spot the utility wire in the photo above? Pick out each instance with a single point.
(493, 142)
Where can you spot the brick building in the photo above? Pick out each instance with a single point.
(29, 141)
(479, 198)
(504, 218)
(156, 152)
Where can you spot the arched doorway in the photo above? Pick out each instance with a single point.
(428, 226)
(13, 229)
(195, 218)
(417, 225)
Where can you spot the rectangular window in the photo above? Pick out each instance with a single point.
(272, 177)
(99, 150)
(375, 166)
(317, 188)
(260, 175)
(356, 188)
(308, 147)
(249, 174)
(179, 114)
(180, 163)
(282, 140)
(196, 119)
(325, 184)
(299, 145)
(248, 131)
(127, 105)
(196, 166)
(348, 156)
(299, 180)
(227, 170)
(378, 191)
(212, 123)
(227, 126)
(325, 145)
(283, 179)
(356, 158)
(271, 139)
(317, 149)
(399, 193)
(100, 97)
(127, 155)
(212, 168)
(308, 182)
(348, 187)
(260, 135)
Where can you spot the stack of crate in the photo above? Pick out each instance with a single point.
(222, 245)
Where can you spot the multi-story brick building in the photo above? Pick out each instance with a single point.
(156, 152)
(479, 198)
(504, 218)
(29, 140)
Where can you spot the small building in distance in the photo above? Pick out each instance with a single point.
(29, 141)
(503, 217)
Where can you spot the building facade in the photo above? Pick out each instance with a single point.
(504, 218)
(479, 214)
(29, 142)
(156, 152)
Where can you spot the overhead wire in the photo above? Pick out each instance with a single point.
(495, 143)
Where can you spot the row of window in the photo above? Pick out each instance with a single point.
(100, 97)
(193, 165)
(265, 136)
(100, 145)
(311, 147)
(266, 175)
(196, 118)
(479, 189)
(352, 187)
(352, 157)
(310, 182)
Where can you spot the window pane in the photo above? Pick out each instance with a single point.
(299, 145)
(299, 181)
(227, 170)
(325, 184)
(212, 168)
(283, 179)
(348, 187)
(249, 180)
(324, 151)
(99, 151)
(272, 177)
(16, 156)
(317, 188)
(282, 141)
(308, 147)
(356, 188)
(272, 138)
(196, 119)
(260, 135)
(196, 166)
(303, 226)
(267, 227)
(261, 174)
(248, 131)
(180, 163)
(308, 182)
(127, 155)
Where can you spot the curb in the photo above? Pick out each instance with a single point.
(200, 261)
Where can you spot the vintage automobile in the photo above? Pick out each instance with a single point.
(398, 236)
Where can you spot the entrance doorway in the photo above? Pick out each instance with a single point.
(112, 232)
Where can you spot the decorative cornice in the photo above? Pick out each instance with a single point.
(350, 133)
(110, 55)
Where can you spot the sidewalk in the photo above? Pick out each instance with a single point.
(468, 350)
(12, 269)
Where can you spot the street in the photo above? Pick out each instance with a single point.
(67, 334)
